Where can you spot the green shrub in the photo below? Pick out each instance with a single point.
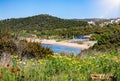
(11, 45)
(7, 45)
(35, 50)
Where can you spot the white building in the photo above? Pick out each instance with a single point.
(91, 22)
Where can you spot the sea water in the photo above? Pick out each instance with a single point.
(59, 48)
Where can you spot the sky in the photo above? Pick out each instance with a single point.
(67, 9)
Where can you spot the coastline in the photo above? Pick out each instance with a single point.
(62, 43)
(74, 45)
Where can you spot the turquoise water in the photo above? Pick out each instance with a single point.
(58, 48)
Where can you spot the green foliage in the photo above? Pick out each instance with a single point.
(109, 40)
(7, 45)
(46, 26)
(11, 45)
(61, 68)
(40, 21)
(5, 33)
(35, 50)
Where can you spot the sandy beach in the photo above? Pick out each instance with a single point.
(74, 45)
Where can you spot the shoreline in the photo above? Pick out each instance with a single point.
(62, 43)
(73, 45)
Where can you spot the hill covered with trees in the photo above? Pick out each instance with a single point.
(40, 21)
(108, 36)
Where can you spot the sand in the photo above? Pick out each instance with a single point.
(74, 45)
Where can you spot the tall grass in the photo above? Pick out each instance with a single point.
(61, 68)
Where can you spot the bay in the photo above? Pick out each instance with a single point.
(59, 49)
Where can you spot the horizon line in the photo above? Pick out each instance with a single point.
(59, 17)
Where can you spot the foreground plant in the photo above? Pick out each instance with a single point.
(61, 68)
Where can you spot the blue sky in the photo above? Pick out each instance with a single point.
(60, 8)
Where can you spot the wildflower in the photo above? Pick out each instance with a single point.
(67, 58)
(60, 56)
(54, 56)
(23, 62)
(41, 61)
(8, 65)
(33, 63)
(15, 57)
(12, 70)
(18, 69)
(117, 60)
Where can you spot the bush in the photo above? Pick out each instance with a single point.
(35, 50)
(10, 45)
(7, 45)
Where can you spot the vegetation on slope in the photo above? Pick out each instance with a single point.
(109, 40)
(54, 67)
(13, 46)
(46, 26)
(40, 21)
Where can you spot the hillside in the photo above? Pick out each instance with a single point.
(91, 19)
(39, 21)
(23, 61)
(46, 26)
